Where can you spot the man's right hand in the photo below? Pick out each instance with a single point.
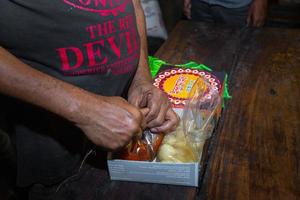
(109, 122)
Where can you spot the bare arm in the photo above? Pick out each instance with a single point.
(160, 116)
(143, 72)
(23, 82)
(108, 121)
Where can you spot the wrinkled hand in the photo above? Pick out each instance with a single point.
(110, 122)
(187, 6)
(257, 13)
(160, 116)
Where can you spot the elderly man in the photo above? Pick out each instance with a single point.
(77, 70)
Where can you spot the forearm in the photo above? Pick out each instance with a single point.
(143, 72)
(158, 115)
(23, 82)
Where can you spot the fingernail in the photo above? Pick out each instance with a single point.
(154, 130)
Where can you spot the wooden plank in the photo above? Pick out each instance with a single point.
(256, 149)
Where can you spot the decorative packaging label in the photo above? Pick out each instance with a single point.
(178, 82)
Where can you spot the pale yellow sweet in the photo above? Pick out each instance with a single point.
(176, 148)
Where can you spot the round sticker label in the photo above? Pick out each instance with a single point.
(177, 84)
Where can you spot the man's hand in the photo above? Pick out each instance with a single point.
(109, 122)
(153, 103)
(187, 6)
(160, 116)
(257, 13)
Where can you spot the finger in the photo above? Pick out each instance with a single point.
(249, 19)
(166, 127)
(153, 112)
(143, 101)
(170, 124)
(190, 12)
(188, 15)
(157, 102)
(144, 112)
(157, 111)
(138, 100)
(186, 3)
(154, 104)
(135, 100)
(159, 119)
(139, 133)
(187, 8)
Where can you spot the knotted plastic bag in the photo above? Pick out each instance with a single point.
(141, 148)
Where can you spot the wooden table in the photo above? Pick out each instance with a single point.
(255, 151)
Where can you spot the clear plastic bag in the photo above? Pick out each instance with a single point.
(176, 148)
(200, 114)
(141, 148)
(198, 120)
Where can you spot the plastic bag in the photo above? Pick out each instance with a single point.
(141, 148)
(154, 22)
(176, 148)
(198, 120)
(200, 115)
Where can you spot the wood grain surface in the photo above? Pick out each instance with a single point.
(255, 152)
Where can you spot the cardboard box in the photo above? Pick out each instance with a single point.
(186, 174)
(155, 172)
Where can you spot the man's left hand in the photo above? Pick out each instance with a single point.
(257, 13)
(159, 116)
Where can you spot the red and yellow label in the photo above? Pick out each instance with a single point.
(177, 83)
